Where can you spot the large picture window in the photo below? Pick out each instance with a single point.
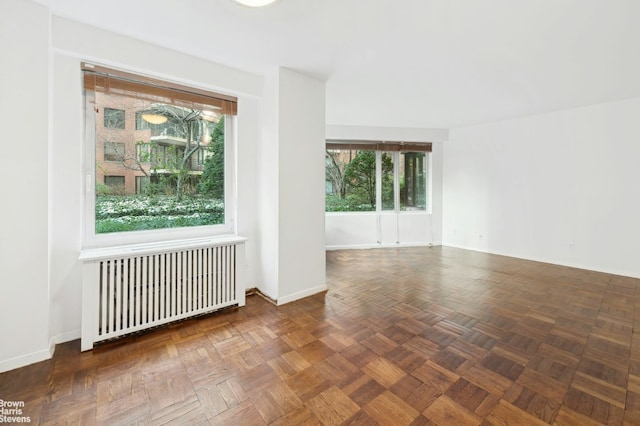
(351, 179)
(376, 176)
(170, 166)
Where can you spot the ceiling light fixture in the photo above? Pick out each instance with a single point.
(255, 3)
(154, 118)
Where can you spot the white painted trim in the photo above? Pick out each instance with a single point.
(67, 336)
(158, 247)
(375, 246)
(301, 294)
(24, 360)
(399, 134)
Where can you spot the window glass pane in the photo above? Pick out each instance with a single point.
(114, 118)
(142, 184)
(413, 181)
(113, 185)
(167, 171)
(387, 180)
(113, 151)
(350, 180)
(114, 181)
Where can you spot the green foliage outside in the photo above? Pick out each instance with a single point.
(349, 203)
(168, 200)
(212, 181)
(387, 182)
(140, 212)
(359, 182)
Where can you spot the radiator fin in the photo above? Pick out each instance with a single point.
(144, 291)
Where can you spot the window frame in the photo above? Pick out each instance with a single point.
(93, 240)
(393, 148)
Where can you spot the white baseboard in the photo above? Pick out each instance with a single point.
(43, 355)
(301, 294)
(576, 265)
(67, 336)
(24, 360)
(373, 246)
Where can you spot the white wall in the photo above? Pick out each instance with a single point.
(388, 229)
(301, 186)
(24, 216)
(561, 187)
(292, 186)
(109, 48)
(268, 187)
(248, 135)
(66, 204)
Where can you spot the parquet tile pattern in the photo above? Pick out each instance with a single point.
(415, 336)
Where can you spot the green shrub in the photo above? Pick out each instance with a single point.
(139, 212)
(102, 189)
(350, 203)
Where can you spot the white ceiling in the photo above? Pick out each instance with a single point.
(408, 63)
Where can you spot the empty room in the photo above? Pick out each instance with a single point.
(320, 212)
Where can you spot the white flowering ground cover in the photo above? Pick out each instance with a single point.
(139, 212)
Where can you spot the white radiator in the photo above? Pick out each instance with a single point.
(132, 288)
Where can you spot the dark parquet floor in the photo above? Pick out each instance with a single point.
(423, 336)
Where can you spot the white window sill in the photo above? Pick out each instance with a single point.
(157, 247)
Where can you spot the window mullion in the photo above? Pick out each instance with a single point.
(378, 181)
(230, 155)
(90, 165)
(396, 181)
